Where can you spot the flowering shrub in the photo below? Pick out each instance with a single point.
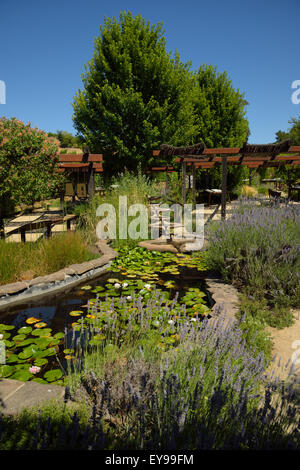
(28, 163)
(258, 248)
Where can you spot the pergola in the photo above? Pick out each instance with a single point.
(253, 156)
(84, 166)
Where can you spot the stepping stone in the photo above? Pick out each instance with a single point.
(17, 395)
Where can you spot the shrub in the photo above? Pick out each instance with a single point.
(28, 163)
(258, 249)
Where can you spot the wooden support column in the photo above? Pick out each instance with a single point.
(194, 183)
(224, 187)
(91, 180)
(183, 181)
(167, 181)
(250, 176)
(62, 198)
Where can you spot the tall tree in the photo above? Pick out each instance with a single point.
(135, 95)
(292, 133)
(219, 110)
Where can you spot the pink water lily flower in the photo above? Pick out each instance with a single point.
(34, 369)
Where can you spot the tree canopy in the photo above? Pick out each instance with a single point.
(137, 96)
(28, 164)
(293, 133)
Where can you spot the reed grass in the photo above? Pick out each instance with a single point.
(23, 261)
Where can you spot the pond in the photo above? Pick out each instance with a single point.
(40, 324)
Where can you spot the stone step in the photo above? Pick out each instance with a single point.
(16, 395)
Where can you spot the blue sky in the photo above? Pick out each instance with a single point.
(45, 44)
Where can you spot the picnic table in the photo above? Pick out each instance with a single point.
(42, 223)
(295, 188)
(213, 192)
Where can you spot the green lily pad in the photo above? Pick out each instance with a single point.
(22, 374)
(42, 332)
(42, 343)
(26, 342)
(59, 335)
(19, 338)
(39, 380)
(46, 353)
(25, 330)
(12, 358)
(40, 362)
(6, 371)
(4, 327)
(53, 375)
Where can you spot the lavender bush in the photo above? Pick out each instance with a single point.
(258, 248)
(208, 391)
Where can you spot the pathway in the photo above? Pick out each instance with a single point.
(15, 395)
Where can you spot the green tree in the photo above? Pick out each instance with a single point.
(28, 164)
(220, 120)
(135, 95)
(289, 174)
(292, 133)
(66, 139)
(219, 110)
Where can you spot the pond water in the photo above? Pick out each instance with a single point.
(36, 333)
(55, 309)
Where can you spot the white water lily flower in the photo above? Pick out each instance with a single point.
(147, 286)
(125, 284)
(1, 337)
(171, 322)
(129, 297)
(193, 319)
(117, 285)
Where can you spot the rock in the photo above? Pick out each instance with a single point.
(13, 288)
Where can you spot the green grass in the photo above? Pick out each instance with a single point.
(20, 261)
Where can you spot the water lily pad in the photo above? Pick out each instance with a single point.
(22, 374)
(40, 362)
(32, 320)
(40, 325)
(4, 327)
(42, 343)
(12, 358)
(39, 380)
(25, 330)
(26, 342)
(53, 375)
(59, 335)
(86, 287)
(6, 371)
(76, 313)
(19, 338)
(46, 353)
(43, 332)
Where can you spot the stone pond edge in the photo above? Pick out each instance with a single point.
(24, 291)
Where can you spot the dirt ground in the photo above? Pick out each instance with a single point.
(286, 347)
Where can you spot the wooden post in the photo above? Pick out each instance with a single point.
(194, 183)
(91, 181)
(167, 181)
(250, 176)
(183, 181)
(23, 236)
(224, 187)
(62, 198)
